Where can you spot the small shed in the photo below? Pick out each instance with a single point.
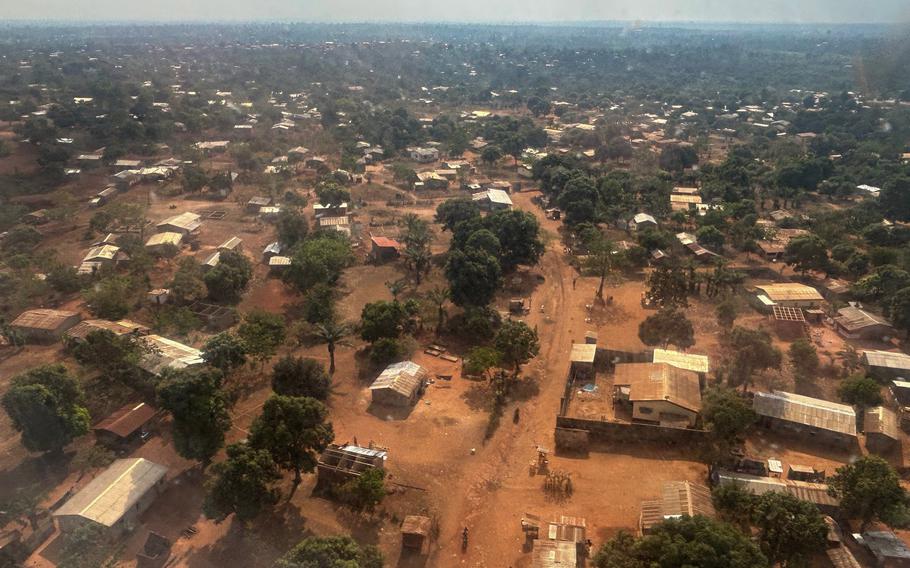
(400, 384)
(339, 463)
(384, 248)
(158, 296)
(270, 250)
(642, 221)
(125, 425)
(882, 429)
(415, 530)
(789, 322)
(38, 217)
(582, 358)
(44, 325)
(233, 244)
(278, 264)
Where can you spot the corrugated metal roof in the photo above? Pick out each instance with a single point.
(164, 239)
(583, 353)
(231, 243)
(854, 319)
(103, 252)
(188, 221)
(280, 261)
(790, 292)
(881, 420)
(660, 381)
(685, 361)
(404, 378)
(887, 359)
(554, 554)
(108, 497)
(813, 492)
(805, 410)
(126, 420)
(678, 498)
(43, 318)
(122, 327)
(167, 353)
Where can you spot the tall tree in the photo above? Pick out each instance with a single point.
(243, 484)
(262, 332)
(229, 278)
(870, 489)
(804, 358)
(319, 259)
(45, 404)
(200, 412)
(807, 252)
(454, 211)
(225, 352)
(293, 430)
(438, 297)
(291, 227)
(790, 530)
(517, 343)
(668, 287)
(332, 333)
(331, 552)
(667, 326)
(417, 255)
(474, 276)
(519, 237)
(752, 352)
(297, 376)
(727, 415)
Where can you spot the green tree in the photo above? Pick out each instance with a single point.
(331, 194)
(110, 298)
(807, 252)
(417, 255)
(726, 313)
(899, 309)
(711, 237)
(860, 390)
(517, 343)
(319, 304)
(331, 552)
(364, 492)
(752, 352)
(86, 546)
(187, 286)
(668, 287)
(297, 376)
(318, 260)
(243, 484)
(538, 106)
(199, 410)
(490, 154)
(294, 431)
(682, 543)
(895, 198)
(479, 360)
(454, 211)
(790, 531)
(45, 405)
(194, 179)
(262, 332)
(804, 358)
(870, 489)
(474, 277)
(438, 297)
(667, 326)
(292, 227)
(102, 349)
(331, 333)
(64, 279)
(383, 319)
(225, 352)
(600, 258)
(519, 237)
(229, 278)
(727, 415)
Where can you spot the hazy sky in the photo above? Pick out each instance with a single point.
(788, 11)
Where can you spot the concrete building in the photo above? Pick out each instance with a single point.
(115, 498)
(400, 384)
(493, 199)
(44, 325)
(423, 155)
(659, 393)
(827, 421)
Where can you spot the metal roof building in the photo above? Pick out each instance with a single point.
(399, 384)
(169, 354)
(184, 223)
(686, 361)
(887, 364)
(813, 492)
(791, 294)
(124, 423)
(677, 498)
(43, 324)
(123, 327)
(857, 323)
(115, 498)
(792, 411)
(882, 428)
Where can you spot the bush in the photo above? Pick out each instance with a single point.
(387, 350)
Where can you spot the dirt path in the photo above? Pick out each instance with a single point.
(482, 500)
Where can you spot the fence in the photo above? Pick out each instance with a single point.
(568, 437)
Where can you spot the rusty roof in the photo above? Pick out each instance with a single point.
(660, 381)
(677, 498)
(881, 420)
(853, 319)
(685, 361)
(43, 318)
(126, 420)
(122, 327)
(809, 411)
(813, 492)
(790, 292)
(416, 524)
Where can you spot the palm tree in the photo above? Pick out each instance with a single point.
(331, 333)
(439, 296)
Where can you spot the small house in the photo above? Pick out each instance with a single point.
(106, 255)
(432, 180)
(81, 330)
(677, 498)
(423, 155)
(581, 359)
(340, 463)
(493, 200)
(114, 499)
(278, 264)
(856, 323)
(161, 242)
(185, 223)
(415, 530)
(400, 384)
(233, 244)
(792, 294)
(44, 325)
(255, 203)
(659, 392)
(158, 296)
(829, 422)
(125, 425)
(270, 250)
(384, 248)
(164, 353)
(886, 365)
(889, 550)
(882, 429)
(642, 221)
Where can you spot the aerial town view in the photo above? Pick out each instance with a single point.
(345, 285)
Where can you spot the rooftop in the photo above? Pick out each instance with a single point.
(805, 410)
(108, 497)
(122, 327)
(187, 221)
(166, 238)
(790, 291)
(677, 498)
(167, 353)
(853, 319)
(404, 378)
(887, 359)
(881, 420)
(685, 361)
(813, 492)
(583, 352)
(43, 318)
(660, 381)
(127, 419)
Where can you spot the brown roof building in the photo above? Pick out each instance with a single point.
(44, 325)
(125, 424)
(660, 392)
(677, 498)
(857, 323)
(882, 428)
(123, 327)
(829, 421)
